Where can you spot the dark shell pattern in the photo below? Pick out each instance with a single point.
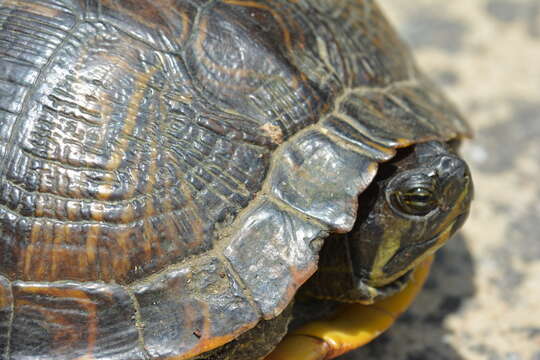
(169, 168)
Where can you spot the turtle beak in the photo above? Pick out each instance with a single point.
(410, 252)
(389, 286)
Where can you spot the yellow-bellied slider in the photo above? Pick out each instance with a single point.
(169, 170)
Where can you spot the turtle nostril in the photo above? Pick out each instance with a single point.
(451, 165)
(449, 162)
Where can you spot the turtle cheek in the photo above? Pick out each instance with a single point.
(411, 253)
(408, 257)
(402, 248)
(393, 234)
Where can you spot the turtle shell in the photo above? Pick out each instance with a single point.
(169, 169)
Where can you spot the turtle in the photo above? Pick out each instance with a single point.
(171, 171)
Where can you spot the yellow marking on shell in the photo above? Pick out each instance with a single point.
(121, 261)
(32, 7)
(153, 169)
(275, 15)
(372, 169)
(186, 21)
(29, 252)
(142, 80)
(199, 50)
(54, 318)
(150, 210)
(402, 142)
(245, 73)
(150, 234)
(181, 98)
(58, 252)
(168, 216)
(86, 357)
(134, 173)
(390, 152)
(92, 240)
(197, 225)
(40, 206)
(128, 214)
(47, 243)
(97, 211)
(210, 344)
(352, 326)
(73, 210)
(151, 175)
(104, 191)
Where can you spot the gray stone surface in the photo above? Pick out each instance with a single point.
(482, 301)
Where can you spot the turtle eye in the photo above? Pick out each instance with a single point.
(416, 201)
(417, 196)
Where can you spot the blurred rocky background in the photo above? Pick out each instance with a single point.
(482, 300)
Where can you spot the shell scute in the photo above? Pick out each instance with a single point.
(69, 320)
(273, 254)
(192, 309)
(321, 179)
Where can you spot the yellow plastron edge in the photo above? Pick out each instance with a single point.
(353, 325)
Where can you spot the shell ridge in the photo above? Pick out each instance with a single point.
(47, 313)
(138, 321)
(197, 295)
(16, 127)
(251, 222)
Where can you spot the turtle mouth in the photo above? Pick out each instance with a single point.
(381, 292)
(402, 259)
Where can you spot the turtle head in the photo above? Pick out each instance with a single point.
(416, 203)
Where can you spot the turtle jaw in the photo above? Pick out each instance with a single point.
(373, 294)
(377, 289)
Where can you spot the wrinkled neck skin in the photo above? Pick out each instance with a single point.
(387, 242)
